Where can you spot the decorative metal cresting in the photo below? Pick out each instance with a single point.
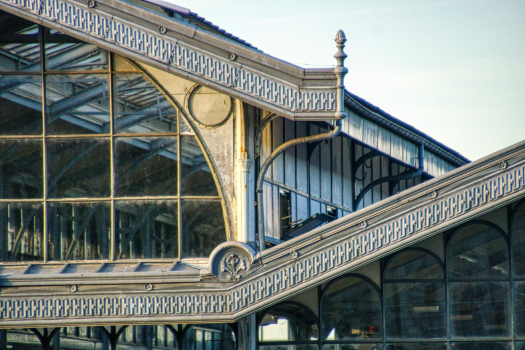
(340, 71)
(233, 265)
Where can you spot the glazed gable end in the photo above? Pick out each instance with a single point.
(190, 52)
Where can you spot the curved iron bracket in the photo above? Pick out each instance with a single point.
(404, 176)
(258, 133)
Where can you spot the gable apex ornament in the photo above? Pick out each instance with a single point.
(340, 37)
(340, 71)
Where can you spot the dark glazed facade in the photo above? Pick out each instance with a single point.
(93, 166)
(475, 298)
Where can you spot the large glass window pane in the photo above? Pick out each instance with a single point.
(19, 339)
(197, 179)
(77, 104)
(478, 250)
(146, 229)
(19, 47)
(480, 346)
(146, 166)
(479, 309)
(73, 338)
(209, 337)
(518, 241)
(353, 346)
(202, 227)
(288, 322)
(65, 53)
(415, 310)
(21, 101)
(520, 345)
(519, 309)
(140, 107)
(135, 337)
(21, 169)
(351, 309)
(78, 231)
(417, 346)
(21, 232)
(413, 264)
(121, 64)
(78, 168)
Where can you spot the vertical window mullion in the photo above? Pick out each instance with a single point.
(447, 287)
(179, 186)
(112, 231)
(44, 153)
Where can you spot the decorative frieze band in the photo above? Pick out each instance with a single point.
(62, 307)
(170, 51)
(303, 267)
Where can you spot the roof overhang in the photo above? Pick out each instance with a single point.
(231, 289)
(190, 52)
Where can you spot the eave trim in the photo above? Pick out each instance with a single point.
(133, 31)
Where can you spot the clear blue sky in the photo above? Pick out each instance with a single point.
(453, 69)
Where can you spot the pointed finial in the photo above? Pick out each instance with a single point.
(340, 37)
(340, 72)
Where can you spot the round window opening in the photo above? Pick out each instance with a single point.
(209, 107)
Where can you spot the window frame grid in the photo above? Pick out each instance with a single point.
(110, 73)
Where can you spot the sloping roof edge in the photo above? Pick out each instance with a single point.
(191, 52)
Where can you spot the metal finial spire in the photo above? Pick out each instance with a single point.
(340, 71)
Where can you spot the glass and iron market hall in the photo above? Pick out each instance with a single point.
(166, 185)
